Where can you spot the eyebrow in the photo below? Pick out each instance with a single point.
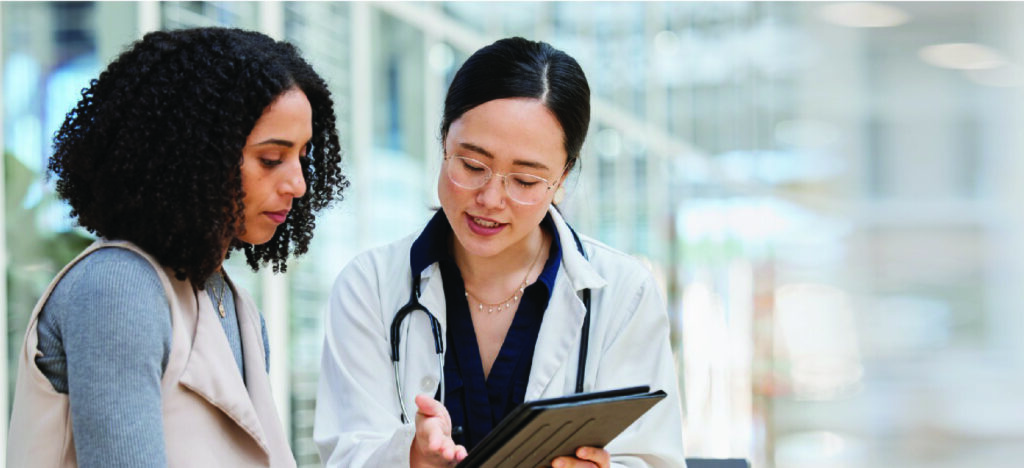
(515, 162)
(276, 142)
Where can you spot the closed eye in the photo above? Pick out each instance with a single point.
(525, 181)
(472, 166)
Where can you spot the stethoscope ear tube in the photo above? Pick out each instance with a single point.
(435, 328)
(581, 367)
(411, 306)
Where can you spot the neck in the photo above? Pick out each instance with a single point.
(508, 266)
(224, 254)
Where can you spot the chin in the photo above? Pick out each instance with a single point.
(257, 238)
(482, 248)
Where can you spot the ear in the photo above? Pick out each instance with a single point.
(560, 188)
(559, 195)
(561, 180)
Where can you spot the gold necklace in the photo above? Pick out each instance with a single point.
(220, 298)
(516, 295)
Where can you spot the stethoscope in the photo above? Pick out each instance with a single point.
(414, 305)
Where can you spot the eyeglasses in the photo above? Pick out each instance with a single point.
(525, 189)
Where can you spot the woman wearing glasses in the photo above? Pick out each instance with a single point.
(502, 282)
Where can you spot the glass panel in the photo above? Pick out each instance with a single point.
(50, 52)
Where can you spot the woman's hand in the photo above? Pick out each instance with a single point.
(433, 444)
(586, 457)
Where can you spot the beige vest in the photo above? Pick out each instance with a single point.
(211, 417)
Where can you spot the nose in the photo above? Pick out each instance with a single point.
(492, 194)
(294, 183)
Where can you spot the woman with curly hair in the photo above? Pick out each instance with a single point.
(142, 352)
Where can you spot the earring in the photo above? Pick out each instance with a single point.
(559, 195)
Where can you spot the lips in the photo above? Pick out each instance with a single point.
(277, 216)
(484, 226)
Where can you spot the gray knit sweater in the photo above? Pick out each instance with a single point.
(105, 336)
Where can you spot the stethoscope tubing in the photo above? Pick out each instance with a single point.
(411, 306)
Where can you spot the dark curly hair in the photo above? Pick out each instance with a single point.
(152, 153)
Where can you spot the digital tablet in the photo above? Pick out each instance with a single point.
(538, 431)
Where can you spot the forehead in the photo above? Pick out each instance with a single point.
(289, 115)
(510, 131)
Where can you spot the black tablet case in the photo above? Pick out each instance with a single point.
(537, 431)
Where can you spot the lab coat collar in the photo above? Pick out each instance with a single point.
(580, 272)
(431, 246)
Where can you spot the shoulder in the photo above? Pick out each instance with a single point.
(600, 265)
(113, 269)
(111, 291)
(381, 263)
(631, 287)
(614, 265)
(365, 290)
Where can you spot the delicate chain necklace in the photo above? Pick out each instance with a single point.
(516, 295)
(220, 297)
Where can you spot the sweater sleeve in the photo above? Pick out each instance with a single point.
(113, 320)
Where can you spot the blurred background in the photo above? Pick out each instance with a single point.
(829, 193)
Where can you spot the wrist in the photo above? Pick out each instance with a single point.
(417, 459)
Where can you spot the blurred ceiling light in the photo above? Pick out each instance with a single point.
(863, 15)
(666, 42)
(962, 56)
(1006, 76)
(440, 57)
(609, 143)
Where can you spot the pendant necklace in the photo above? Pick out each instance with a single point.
(220, 297)
(515, 297)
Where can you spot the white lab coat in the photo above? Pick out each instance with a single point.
(357, 421)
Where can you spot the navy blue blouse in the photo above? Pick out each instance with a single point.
(476, 404)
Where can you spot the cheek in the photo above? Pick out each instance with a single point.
(250, 187)
(259, 193)
(448, 192)
(533, 213)
(249, 176)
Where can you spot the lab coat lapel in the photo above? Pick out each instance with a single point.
(557, 348)
(558, 340)
(581, 274)
(213, 375)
